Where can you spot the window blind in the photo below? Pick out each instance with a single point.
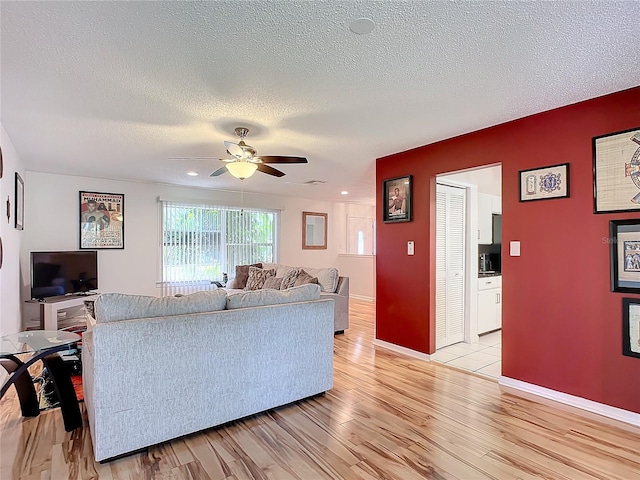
(201, 242)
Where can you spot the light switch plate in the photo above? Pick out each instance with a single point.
(514, 249)
(410, 248)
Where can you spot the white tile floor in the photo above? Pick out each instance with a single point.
(483, 357)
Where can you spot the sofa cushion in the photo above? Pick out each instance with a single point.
(257, 277)
(289, 278)
(304, 278)
(242, 275)
(327, 278)
(257, 298)
(273, 282)
(110, 307)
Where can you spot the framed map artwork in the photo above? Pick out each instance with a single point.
(616, 172)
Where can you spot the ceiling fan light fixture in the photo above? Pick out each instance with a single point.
(242, 170)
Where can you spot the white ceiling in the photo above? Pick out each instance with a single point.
(114, 89)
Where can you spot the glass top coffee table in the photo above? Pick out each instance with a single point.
(36, 340)
(43, 345)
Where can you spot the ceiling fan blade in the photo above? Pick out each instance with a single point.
(282, 159)
(194, 158)
(234, 149)
(219, 172)
(270, 170)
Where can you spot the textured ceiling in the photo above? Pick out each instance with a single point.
(116, 89)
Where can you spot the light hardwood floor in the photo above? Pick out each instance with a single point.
(387, 417)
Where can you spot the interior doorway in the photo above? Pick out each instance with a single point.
(481, 346)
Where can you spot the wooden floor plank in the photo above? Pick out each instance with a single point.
(388, 417)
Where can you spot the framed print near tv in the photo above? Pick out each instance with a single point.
(101, 220)
(396, 199)
(18, 203)
(544, 183)
(624, 240)
(631, 327)
(616, 172)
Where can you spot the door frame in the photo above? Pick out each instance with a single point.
(471, 257)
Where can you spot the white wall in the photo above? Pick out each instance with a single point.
(52, 216)
(10, 318)
(361, 270)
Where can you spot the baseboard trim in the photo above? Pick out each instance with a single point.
(402, 350)
(362, 297)
(535, 392)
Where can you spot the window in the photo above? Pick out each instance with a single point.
(201, 242)
(360, 235)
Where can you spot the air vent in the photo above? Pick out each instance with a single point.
(314, 182)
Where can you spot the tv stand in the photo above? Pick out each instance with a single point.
(50, 306)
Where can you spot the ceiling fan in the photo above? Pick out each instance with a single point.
(245, 160)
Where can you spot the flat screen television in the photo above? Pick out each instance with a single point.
(63, 273)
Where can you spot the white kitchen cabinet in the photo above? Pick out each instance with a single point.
(496, 204)
(485, 221)
(489, 304)
(487, 206)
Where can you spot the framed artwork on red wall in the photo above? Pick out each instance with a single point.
(631, 327)
(396, 202)
(544, 183)
(616, 172)
(624, 241)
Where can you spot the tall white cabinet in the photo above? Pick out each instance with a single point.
(487, 206)
(450, 260)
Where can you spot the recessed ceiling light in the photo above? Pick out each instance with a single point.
(362, 26)
(192, 174)
(344, 192)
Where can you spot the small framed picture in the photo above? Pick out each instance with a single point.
(396, 203)
(631, 327)
(624, 241)
(18, 203)
(544, 183)
(616, 172)
(101, 220)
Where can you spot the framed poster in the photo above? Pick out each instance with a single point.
(631, 327)
(616, 172)
(101, 220)
(544, 183)
(624, 238)
(396, 200)
(18, 203)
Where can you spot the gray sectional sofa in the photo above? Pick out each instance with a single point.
(155, 369)
(331, 286)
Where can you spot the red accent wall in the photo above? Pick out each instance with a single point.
(562, 326)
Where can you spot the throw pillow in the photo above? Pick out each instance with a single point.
(272, 282)
(304, 278)
(257, 277)
(289, 279)
(242, 274)
(327, 278)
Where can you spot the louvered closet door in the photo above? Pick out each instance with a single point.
(450, 245)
